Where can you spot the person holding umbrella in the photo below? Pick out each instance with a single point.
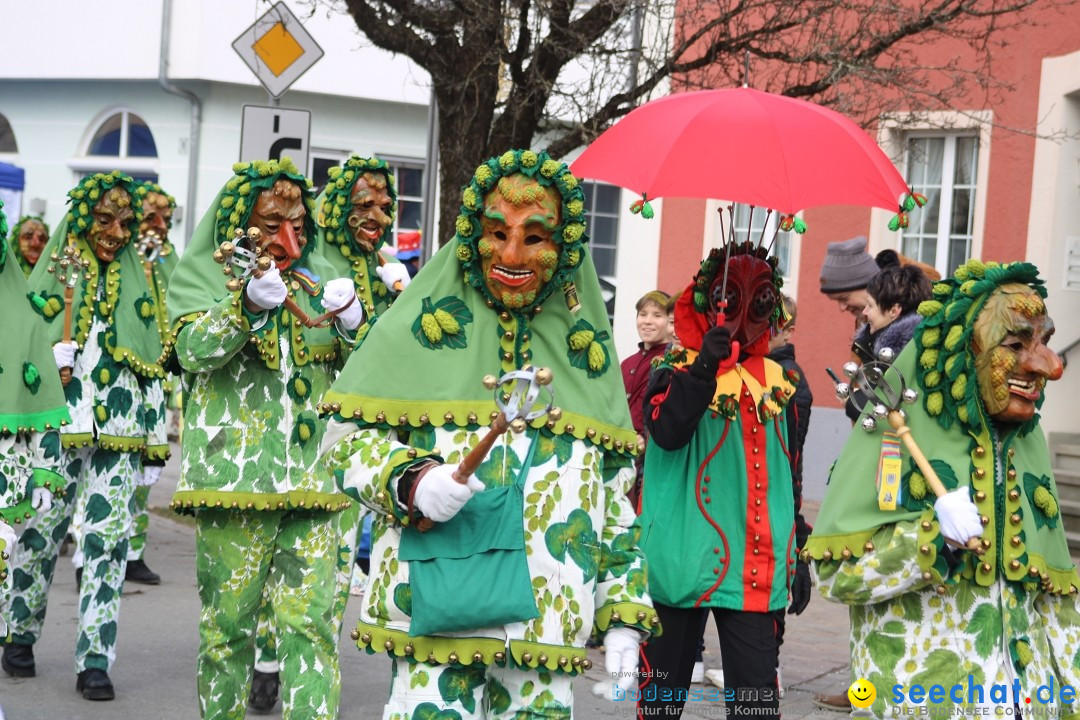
(717, 507)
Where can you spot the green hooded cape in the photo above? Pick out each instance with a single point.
(340, 248)
(198, 284)
(1025, 530)
(442, 318)
(31, 397)
(128, 307)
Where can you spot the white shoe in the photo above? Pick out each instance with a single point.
(699, 673)
(779, 682)
(716, 677)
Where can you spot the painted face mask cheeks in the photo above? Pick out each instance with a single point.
(157, 215)
(518, 254)
(32, 239)
(109, 232)
(372, 210)
(280, 213)
(1012, 361)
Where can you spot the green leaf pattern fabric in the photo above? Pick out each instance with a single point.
(904, 632)
(296, 553)
(108, 404)
(105, 481)
(241, 419)
(420, 691)
(577, 526)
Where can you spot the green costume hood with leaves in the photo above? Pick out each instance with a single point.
(1007, 467)
(339, 246)
(198, 284)
(31, 397)
(446, 317)
(128, 306)
(27, 268)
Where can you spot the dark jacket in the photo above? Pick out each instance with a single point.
(798, 422)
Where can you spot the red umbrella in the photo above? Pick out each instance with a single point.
(745, 146)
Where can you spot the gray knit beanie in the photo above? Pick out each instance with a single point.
(847, 266)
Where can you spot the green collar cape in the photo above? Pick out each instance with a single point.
(27, 268)
(128, 306)
(1007, 467)
(422, 364)
(31, 397)
(197, 283)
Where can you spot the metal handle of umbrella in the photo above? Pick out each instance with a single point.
(886, 390)
(243, 258)
(517, 407)
(68, 267)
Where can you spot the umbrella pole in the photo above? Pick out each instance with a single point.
(727, 251)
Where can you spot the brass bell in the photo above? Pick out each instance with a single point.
(490, 381)
(543, 376)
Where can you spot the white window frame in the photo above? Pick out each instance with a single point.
(339, 156)
(714, 239)
(893, 134)
(398, 161)
(83, 163)
(591, 212)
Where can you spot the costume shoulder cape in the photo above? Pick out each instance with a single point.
(197, 284)
(128, 305)
(31, 397)
(962, 456)
(423, 362)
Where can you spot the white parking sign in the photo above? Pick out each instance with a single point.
(270, 133)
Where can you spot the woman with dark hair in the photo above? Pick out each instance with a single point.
(893, 297)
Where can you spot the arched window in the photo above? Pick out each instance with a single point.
(124, 134)
(7, 137)
(120, 141)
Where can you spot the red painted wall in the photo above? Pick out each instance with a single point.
(682, 233)
(823, 334)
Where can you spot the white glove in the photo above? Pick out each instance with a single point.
(336, 293)
(8, 537)
(268, 291)
(150, 475)
(41, 499)
(621, 646)
(439, 496)
(392, 273)
(64, 354)
(958, 516)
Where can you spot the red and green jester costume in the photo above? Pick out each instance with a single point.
(717, 516)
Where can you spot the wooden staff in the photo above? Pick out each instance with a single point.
(69, 298)
(397, 283)
(899, 426)
(68, 267)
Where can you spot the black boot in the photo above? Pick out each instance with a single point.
(18, 660)
(78, 578)
(95, 684)
(137, 572)
(264, 693)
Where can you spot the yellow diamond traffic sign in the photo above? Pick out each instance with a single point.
(278, 49)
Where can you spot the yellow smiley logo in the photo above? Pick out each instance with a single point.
(862, 694)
